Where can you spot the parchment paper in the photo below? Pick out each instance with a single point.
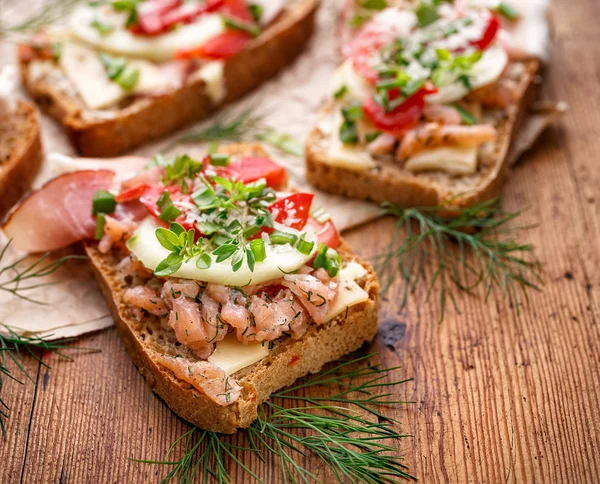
(72, 304)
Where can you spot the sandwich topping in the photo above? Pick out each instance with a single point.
(414, 86)
(212, 250)
(111, 52)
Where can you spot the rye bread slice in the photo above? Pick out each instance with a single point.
(148, 118)
(21, 154)
(389, 182)
(287, 361)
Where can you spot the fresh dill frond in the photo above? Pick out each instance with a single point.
(346, 431)
(12, 348)
(474, 247)
(51, 12)
(22, 276)
(246, 125)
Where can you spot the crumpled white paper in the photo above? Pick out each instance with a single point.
(72, 303)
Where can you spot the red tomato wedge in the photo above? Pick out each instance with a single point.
(239, 10)
(252, 168)
(158, 16)
(222, 46)
(326, 233)
(292, 211)
(361, 51)
(489, 34)
(58, 214)
(401, 118)
(132, 194)
(150, 15)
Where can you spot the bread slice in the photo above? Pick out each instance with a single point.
(147, 118)
(389, 182)
(287, 361)
(21, 154)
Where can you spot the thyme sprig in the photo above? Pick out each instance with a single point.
(346, 431)
(51, 12)
(246, 125)
(12, 348)
(20, 277)
(475, 247)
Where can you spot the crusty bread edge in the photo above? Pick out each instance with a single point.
(287, 361)
(22, 166)
(412, 190)
(278, 46)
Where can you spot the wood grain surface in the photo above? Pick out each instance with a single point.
(501, 395)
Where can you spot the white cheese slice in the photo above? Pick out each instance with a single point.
(156, 48)
(350, 293)
(352, 157)
(212, 75)
(356, 86)
(232, 355)
(280, 259)
(8, 83)
(87, 73)
(486, 71)
(455, 161)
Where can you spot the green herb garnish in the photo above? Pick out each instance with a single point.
(119, 71)
(102, 28)
(100, 222)
(235, 24)
(465, 115)
(345, 430)
(104, 202)
(507, 11)
(474, 248)
(329, 259)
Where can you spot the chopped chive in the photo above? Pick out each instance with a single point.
(507, 11)
(372, 136)
(320, 258)
(103, 201)
(100, 221)
(257, 246)
(341, 92)
(280, 238)
(102, 28)
(256, 11)
(465, 115)
(218, 159)
(348, 133)
(235, 24)
(333, 262)
(168, 211)
(305, 247)
(319, 213)
(374, 4)
(128, 78)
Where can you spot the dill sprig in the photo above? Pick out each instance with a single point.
(474, 247)
(12, 348)
(19, 277)
(51, 12)
(346, 431)
(243, 126)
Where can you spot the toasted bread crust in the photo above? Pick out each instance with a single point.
(150, 118)
(390, 183)
(21, 154)
(287, 361)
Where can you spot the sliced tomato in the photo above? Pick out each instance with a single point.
(151, 15)
(293, 210)
(489, 34)
(222, 46)
(361, 50)
(132, 194)
(404, 116)
(238, 9)
(252, 168)
(188, 12)
(326, 233)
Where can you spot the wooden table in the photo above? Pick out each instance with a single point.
(500, 396)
